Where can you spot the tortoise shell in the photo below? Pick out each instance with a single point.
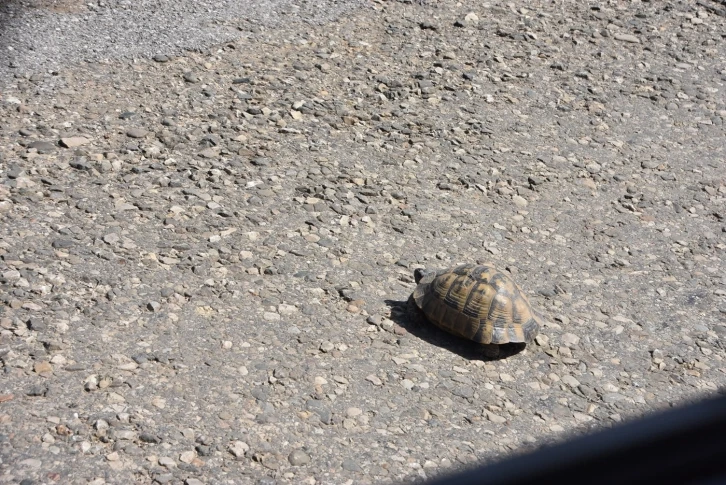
(477, 302)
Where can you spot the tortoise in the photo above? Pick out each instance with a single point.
(477, 302)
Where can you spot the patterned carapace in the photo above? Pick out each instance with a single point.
(477, 302)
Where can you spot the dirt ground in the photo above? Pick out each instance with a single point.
(206, 258)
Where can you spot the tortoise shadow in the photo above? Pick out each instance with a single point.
(407, 315)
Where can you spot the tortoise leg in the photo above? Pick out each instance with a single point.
(413, 313)
(501, 351)
(491, 351)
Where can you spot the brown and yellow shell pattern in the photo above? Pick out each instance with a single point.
(477, 302)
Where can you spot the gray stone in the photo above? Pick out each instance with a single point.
(63, 243)
(149, 438)
(136, 133)
(627, 38)
(15, 172)
(570, 381)
(80, 164)
(298, 458)
(73, 141)
(191, 77)
(467, 392)
(43, 146)
(570, 340)
(325, 415)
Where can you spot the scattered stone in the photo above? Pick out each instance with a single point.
(136, 133)
(187, 457)
(467, 392)
(37, 390)
(191, 77)
(471, 19)
(570, 381)
(149, 438)
(373, 379)
(519, 201)
(627, 38)
(80, 164)
(570, 340)
(353, 412)
(167, 462)
(495, 418)
(73, 141)
(43, 368)
(298, 458)
(239, 448)
(43, 146)
(228, 256)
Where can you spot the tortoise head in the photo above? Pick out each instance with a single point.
(420, 273)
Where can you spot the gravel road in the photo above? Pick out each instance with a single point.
(42, 36)
(207, 250)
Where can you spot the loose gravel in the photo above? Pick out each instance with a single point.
(206, 258)
(46, 35)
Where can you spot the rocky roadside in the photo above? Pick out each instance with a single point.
(205, 259)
